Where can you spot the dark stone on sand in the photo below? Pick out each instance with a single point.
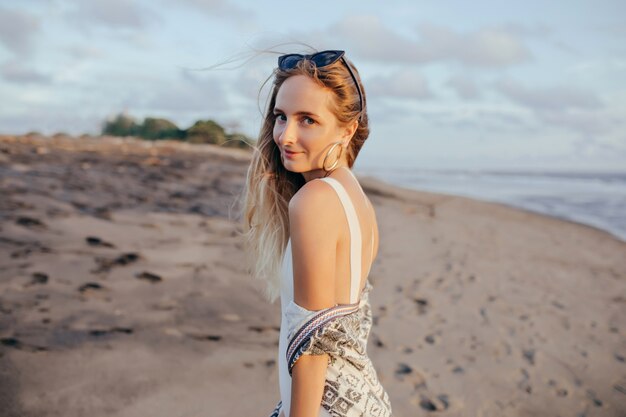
(149, 276)
(422, 303)
(378, 343)
(39, 278)
(403, 369)
(458, 370)
(618, 357)
(96, 241)
(440, 403)
(261, 329)
(30, 222)
(28, 248)
(102, 332)
(90, 286)
(529, 355)
(211, 337)
(17, 344)
(430, 339)
(11, 341)
(126, 258)
(126, 330)
(620, 387)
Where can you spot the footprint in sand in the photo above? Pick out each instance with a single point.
(37, 278)
(209, 337)
(15, 343)
(149, 276)
(434, 403)
(422, 305)
(105, 264)
(102, 332)
(263, 329)
(90, 287)
(30, 222)
(96, 241)
(426, 400)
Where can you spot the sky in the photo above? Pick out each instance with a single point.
(450, 84)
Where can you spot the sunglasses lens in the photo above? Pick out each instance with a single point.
(290, 61)
(325, 58)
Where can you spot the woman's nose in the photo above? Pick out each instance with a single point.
(288, 133)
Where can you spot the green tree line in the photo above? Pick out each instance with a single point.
(203, 131)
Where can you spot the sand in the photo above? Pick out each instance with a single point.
(123, 292)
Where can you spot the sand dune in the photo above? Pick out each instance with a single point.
(123, 293)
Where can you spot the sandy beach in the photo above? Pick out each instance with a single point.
(123, 292)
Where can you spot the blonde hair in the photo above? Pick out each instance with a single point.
(269, 186)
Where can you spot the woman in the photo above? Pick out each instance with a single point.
(312, 232)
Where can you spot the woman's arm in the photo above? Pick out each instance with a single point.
(307, 385)
(314, 221)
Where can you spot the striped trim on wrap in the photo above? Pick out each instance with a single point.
(310, 327)
(277, 409)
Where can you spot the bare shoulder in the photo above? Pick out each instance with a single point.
(315, 204)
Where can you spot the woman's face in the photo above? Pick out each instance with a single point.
(305, 126)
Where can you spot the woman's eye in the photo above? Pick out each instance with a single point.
(280, 117)
(309, 121)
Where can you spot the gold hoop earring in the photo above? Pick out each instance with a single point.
(329, 170)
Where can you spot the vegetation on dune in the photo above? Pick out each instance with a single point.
(203, 131)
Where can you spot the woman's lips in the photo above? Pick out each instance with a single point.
(289, 154)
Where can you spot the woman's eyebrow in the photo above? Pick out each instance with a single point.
(298, 113)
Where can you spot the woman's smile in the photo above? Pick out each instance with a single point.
(290, 154)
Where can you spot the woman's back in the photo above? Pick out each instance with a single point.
(346, 325)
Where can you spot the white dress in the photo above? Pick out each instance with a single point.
(352, 387)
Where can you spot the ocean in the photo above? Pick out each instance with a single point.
(593, 198)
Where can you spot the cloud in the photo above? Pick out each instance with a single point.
(250, 80)
(464, 87)
(16, 72)
(84, 52)
(556, 98)
(192, 92)
(474, 119)
(580, 113)
(582, 121)
(18, 30)
(486, 47)
(113, 14)
(50, 119)
(406, 83)
(217, 8)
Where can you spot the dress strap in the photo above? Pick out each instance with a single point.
(367, 201)
(355, 237)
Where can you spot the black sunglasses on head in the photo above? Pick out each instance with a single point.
(320, 59)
